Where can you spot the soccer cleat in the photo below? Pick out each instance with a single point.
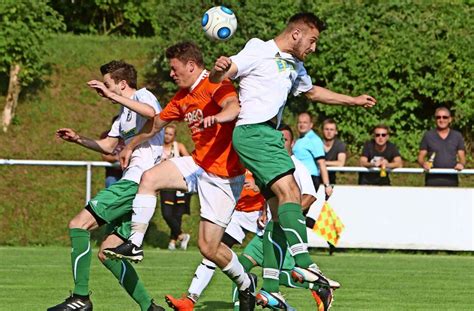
(155, 307)
(247, 296)
(313, 275)
(127, 250)
(274, 301)
(171, 246)
(323, 297)
(73, 303)
(183, 304)
(185, 241)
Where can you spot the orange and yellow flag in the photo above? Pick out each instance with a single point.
(328, 225)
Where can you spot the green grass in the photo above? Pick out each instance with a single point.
(33, 278)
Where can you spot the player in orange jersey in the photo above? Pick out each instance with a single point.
(247, 212)
(213, 170)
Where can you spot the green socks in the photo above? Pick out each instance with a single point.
(129, 280)
(274, 248)
(293, 224)
(286, 280)
(80, 260)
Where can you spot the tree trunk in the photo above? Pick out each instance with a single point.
(14, 89)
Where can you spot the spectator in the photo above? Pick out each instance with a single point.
(174, 204)
(309, 150)
(444, 148)
(380, 153)
(112, 174)
(334, 148)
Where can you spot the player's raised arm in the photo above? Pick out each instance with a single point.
(106, 145)
(323, 95)
(142, 109)
(151, 127)
(223, 68)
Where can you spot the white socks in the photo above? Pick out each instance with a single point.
(236, 272)
(143, 210)
(201, 279)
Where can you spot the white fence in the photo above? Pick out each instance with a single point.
(376, 217)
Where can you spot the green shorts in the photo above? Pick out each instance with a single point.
(113, 206)
(254, 249)
(261, 149)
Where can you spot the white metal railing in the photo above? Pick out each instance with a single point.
(90, 164)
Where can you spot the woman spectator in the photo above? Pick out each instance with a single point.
(174, 203)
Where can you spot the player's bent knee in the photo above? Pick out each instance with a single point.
(207, 250)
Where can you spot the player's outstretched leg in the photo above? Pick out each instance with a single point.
(80, 261)
(202, 277)
(274, 249)
(126, 274)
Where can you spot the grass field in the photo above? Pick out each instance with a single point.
(34, 278)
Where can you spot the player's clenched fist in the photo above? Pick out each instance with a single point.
(222, 64)
(67, 134)
(365, 100)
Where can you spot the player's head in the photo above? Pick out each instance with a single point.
(303, 30)
(305, 122)
(119, 76)
(186, 63)
(170, 133)
(329, 129)
(381, 134)
(443, 118)
(287, 136)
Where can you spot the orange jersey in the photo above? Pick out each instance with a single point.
(250, 200)
(213, 145)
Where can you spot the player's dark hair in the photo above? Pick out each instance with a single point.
(185, 52)
(308, 19)
(381, 126)
(286, 127)
(120, 70)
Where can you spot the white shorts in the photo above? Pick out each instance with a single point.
(242, 222)
(217, 195)
(143, 158)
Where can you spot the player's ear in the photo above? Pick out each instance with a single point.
(296, 34)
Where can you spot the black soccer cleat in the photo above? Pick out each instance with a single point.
(247, 296)
(155, 307)
(127, 250)
(73, 303)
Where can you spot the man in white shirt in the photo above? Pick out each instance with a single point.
(268, 72)
(113, 206)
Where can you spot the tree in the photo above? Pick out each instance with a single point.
(24, 26)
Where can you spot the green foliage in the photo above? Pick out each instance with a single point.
(412, 56)
(24, 27)
(129, 17)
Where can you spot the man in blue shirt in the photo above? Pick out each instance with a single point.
(309, 149)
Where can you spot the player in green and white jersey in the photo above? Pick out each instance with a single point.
(113, 206)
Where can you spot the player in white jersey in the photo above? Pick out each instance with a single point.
(113, 206)
(268, 72)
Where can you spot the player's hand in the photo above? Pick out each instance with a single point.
(210, 121)
(365, 101)
(67, 135)
(124, 157)
(262, 221)
(100, 88)
(222, 64)
(250, 184)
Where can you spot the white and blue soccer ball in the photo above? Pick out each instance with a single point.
(219, 23)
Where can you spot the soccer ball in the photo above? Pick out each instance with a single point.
(219, 23)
